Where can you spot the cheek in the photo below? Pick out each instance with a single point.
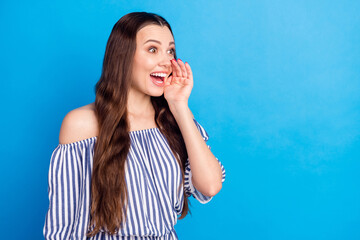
(146, 61)
(143, 64)
(148, 64)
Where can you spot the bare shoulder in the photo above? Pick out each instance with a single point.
(79, 124)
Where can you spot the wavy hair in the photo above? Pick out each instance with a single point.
(108, 187)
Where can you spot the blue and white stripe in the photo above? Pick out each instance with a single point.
(152, 175)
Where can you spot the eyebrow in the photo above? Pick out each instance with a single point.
(152, 40)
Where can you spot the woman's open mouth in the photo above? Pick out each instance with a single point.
(158, 79)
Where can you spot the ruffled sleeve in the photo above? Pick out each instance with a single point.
(189, 187)
(66, 191)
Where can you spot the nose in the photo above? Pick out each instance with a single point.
(165, 60)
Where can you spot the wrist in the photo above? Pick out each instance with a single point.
(179, 108)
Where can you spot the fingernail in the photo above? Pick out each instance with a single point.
(179, 59)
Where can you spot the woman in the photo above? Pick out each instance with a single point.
(126, 164)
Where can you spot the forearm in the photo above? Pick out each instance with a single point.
(205, 168)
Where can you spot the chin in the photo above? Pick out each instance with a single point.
(156, 93)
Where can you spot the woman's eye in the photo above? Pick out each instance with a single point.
(152, 49)
(172, 51)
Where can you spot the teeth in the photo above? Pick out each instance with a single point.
(158, 74)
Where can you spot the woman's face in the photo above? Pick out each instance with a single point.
(155, 48)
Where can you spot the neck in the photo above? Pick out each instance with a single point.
(139, 104)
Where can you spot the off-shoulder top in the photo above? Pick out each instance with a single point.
(152, 175)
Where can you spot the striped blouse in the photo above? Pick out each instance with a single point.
(152, 175)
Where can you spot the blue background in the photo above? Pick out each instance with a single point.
(276, 87)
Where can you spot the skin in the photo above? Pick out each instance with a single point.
(151, 57)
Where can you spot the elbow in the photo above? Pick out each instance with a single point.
(210, 189)
(213, 190)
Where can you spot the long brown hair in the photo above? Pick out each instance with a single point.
(108, 186)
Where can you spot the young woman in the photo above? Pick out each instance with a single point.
(127, 163)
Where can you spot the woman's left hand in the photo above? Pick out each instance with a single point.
(178, 87)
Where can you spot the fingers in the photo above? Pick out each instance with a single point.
(168, 81)
(180, 69)
(188, 69)
(176, 69)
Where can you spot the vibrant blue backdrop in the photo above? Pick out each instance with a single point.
(276, 86)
